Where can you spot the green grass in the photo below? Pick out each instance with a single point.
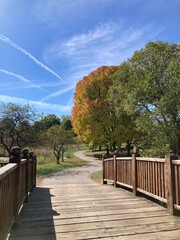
(46, 162)
(96, 154)
(46, 156)
(4, 159)
(45, 169)
(97, 176)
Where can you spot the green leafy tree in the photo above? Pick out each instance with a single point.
(42, 125)
(46, 122)
(59, 140)
(148, 84)
(66, 122)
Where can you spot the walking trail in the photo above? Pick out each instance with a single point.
(75, 175)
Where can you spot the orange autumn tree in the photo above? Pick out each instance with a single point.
(93, 117)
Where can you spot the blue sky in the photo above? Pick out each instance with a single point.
(47, 46)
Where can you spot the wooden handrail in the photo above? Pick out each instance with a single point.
(16, 181)
(155, 177)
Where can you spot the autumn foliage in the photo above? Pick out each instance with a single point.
(92, 117)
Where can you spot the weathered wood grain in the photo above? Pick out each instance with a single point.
(92, 211)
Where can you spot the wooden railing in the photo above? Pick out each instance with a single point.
(17, 179)
(155, 177)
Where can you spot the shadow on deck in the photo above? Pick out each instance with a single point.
(90, 211)
(35, 220)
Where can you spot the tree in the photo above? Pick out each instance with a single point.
(59, 140)
(42, 125)
(149, 84)
(15, 125)
(66, 123)
(93, 116)
(46, 122)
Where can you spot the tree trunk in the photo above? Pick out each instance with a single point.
(107, 150)
(128, 146)
(57, 159)
(62, 155)
(57, 154)
(114, 146)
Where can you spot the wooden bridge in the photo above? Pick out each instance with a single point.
(71, 206)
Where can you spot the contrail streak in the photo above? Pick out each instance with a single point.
(20, 77)
(57, 93)
(7, 40)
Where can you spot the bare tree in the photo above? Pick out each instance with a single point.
(15, 125)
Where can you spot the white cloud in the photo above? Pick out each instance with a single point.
(38, 105)
(81, 43)
(107, 44)
(8, 41)
(110, 43)
(103, 45)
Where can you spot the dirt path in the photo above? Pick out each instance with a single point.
(75, 175)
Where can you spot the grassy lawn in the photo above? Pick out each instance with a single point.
(46, 162)
(97, 176)
(51, 167)
(96, 154)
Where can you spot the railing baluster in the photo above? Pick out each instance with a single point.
(115, 171)
(157, 178)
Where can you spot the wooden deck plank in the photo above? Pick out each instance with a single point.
(156, 223)
(84, 217)
(76, 210)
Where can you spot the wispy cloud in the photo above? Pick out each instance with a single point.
(8, 41)
(82, 43)
(107, 44)
(103, 45)
(101, 32)
(30, 84)
(56, 108)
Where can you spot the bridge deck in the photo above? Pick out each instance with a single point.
(92, 211)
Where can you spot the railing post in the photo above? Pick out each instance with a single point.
(25, 155)
(170, 182)
(35, 170)
(115, 170)
(134, 174)
(103, 163)
(32, 156)
(16, 158)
